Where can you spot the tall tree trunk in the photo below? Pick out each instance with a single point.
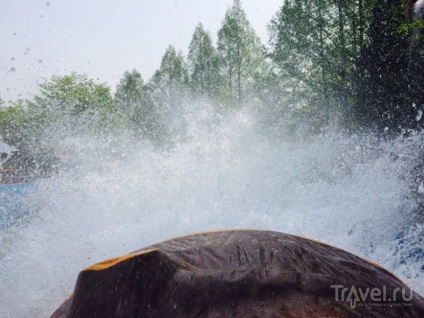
(361, 25)
(342, 40)
(322, 66)
(239, 67)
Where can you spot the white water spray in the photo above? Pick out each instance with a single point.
(116, 196)
(419, 8)
(6, 151)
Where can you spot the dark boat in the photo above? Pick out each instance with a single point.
(239, 273)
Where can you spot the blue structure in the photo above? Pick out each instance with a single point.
(12, 202)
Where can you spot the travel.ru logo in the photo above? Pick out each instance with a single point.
(377, 296)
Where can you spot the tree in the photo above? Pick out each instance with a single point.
(167, 92)
(71, 103)
(317, 48)
(77, 101)
(382, 100)
(25, 128)
(131, 102)
(416, 63)
(240, 53)
(300, 40)
(74, 94)
(167, 88)
(203, 64)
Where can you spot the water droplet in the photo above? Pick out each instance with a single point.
(27, 49)
(48, 4)
(12, 59)
(419, 115)
(12, 69)
(420, 189)
(41, 16)
(14, 33)
(40, 61)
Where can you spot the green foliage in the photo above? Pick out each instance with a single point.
(167, 91)
(74, 94)
(311, 46)
(130, 93)
(240, 53)
(345, 60)
(129, 97)
(203, 64)
(36, 126)
(78, 99)
(301, 34)
(416, 70)
(133, 105)
(330, 62)
(23, 127)
(405, 28)
(382, 92)
(167, 88)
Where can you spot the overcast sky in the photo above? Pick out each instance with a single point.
(103, 38)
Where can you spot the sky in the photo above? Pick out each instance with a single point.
(103, 38)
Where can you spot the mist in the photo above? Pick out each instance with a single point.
(114, 194)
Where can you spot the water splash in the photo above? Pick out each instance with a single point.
(117, 194)
(419, 8)
(6, 152)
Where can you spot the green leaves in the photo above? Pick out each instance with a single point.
(130, 98)
(168, 84)
(405, 28)
(318, 49)
(74, 94)
(203, 64)
(329, 62)
(240, 54)
(133, 104)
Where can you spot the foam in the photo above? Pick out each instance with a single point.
(116, 195)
